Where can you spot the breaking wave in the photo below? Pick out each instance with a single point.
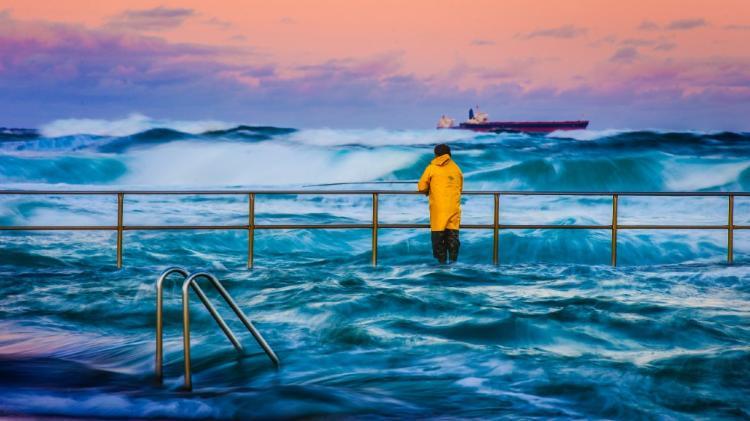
(134, 123)
(152, 152)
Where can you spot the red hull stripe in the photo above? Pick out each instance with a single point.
(525, 126)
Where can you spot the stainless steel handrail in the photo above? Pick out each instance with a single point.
(160, 318)
(375, 225)
(191, 281)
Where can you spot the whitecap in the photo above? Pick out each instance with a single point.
(134, 123)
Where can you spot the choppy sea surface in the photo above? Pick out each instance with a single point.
(552, 332)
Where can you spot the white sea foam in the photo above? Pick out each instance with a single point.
(586, 135)
(691, 177)
(260, 164)
(134, 123)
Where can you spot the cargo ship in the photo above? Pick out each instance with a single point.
(479, 121)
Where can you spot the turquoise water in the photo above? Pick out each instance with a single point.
(554, 331)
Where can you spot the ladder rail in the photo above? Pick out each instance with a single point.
(215, 314)
(158, 367)
(191, 281)
(159, 363)
(241, 315)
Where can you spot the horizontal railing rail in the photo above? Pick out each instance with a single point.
(375, 225)
(384, 192)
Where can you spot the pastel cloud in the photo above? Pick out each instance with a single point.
(219, 23)
(63, 66)
(699, 80)
(562, 32)
(658, 44)
(625, 55)
(686, 24)
(664, 46)
(383, 65)
(482, 42)
(156, 19)
(121, 71)
(40, 49)
(648, 25)
(637, 42)
(736, 27)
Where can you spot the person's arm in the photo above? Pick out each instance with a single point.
(461, 182)
(423, 186)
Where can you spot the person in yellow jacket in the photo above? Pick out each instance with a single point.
(443, 182)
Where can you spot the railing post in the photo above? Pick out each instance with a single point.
(730, 231)
(614, 230)
(120, 206)
(374, 229)
(250, 229)
(495, 230)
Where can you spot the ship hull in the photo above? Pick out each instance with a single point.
(524, 126)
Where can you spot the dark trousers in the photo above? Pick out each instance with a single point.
(445, 245)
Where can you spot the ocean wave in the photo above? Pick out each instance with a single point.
(380, 137)
(634, 134)
(586, 135)
(262, 164)
(164, 160)
(12, 134)
(251, 132)
(213, 153)
(708, 176)
(55, 170)
(134, 123)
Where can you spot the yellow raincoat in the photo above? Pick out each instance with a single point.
(444, 182)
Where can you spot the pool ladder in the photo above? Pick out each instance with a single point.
(191, 281)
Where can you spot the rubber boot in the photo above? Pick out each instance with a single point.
(452, 244)
(439, 250)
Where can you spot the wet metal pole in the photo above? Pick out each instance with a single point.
(243, 318)
(374, 229)
(159, 332)
(186, 333)
(495, 230)
(614, 230)
(250, 229)
(120, 203)
(160, 318)
(730, 231)
(191, 282)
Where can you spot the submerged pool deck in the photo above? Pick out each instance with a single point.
(375, 225)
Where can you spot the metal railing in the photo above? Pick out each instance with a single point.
(375, 225)
(190, 281)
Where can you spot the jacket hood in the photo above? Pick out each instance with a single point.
(441, 160)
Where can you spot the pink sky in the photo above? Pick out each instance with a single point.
(659, 63)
